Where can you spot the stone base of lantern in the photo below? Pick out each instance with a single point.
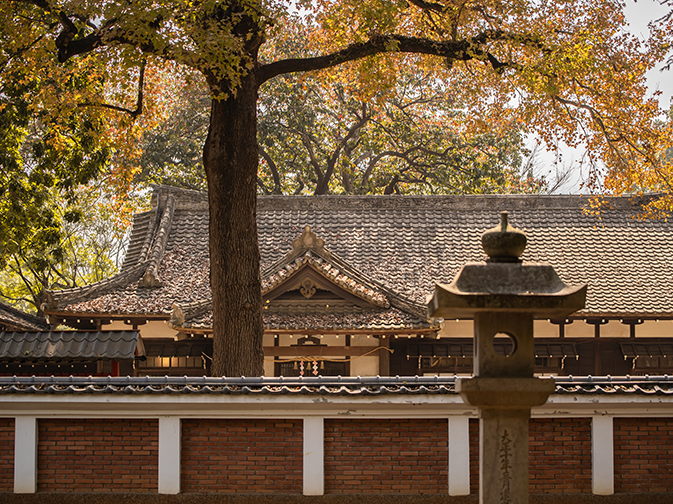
(504, 409)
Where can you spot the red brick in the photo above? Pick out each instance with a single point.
(6, 454)
(249, 456)
(386, 456)
(643, 450)
(97, 454)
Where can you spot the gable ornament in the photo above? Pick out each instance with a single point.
(307, 240)
(307, 288)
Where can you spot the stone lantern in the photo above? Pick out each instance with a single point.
(504, 295)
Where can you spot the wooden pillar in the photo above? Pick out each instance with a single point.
(384, 356)
(598, 365)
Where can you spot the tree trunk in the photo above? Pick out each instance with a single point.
(230, 159)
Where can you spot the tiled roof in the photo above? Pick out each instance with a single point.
(376, 320)
(354, 386)
(69, 345)
(405, 244)
(14, 319)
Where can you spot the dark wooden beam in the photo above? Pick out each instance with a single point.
(320, 351)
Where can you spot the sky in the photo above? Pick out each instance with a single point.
(638, 14)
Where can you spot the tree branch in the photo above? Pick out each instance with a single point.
(462, 50)
(20, 52)
(428, 6)
(331, 163)
(274, 170)
(139, 102)
(311, 154)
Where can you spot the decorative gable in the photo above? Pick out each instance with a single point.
(311, 288)
(311, 279)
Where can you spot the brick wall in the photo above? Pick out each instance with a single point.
(390, 456)
(474, 456)
(246, 456)
(97, 455)
(643, 451)
(6, 454)
(560, 455)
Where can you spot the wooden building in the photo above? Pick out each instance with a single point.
(345, 281)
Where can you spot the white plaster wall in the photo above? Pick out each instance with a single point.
(117, 325)
(545, 329)
(268, 341)
(152, 329)
(615, 329)
(157, 329)
(654, 329)
(364, 340)
(456, 329)
(369, 365)
(579, 329)
(169, 455)
(365, 366)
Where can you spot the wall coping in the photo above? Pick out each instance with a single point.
(372, 397)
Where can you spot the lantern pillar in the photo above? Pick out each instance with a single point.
(503, 296)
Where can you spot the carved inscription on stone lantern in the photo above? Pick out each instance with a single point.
(504, 295)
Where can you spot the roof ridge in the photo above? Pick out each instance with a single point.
(145, 269)
(458, 202)
(52, 299)
(182, 312)
(151, 276)
(31, 319)
(318, 385)
(138, 238)
(198, 200)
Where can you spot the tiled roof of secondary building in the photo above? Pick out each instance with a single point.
(402, 244)
(340, 386)
(69, 346)
(16, 320)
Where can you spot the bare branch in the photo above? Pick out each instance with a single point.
(274, 170)
(139, 101)
(323, 185)
(311, 153)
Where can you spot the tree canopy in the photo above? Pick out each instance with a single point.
(565, 69)
(47, 147)
(89, 249)
(319, 138)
